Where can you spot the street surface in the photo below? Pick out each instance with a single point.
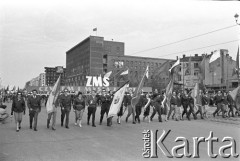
(119, 142)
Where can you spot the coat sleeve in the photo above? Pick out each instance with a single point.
(13, 106)
(29, 103)
(24, 105)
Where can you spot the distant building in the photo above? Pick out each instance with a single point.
(34, 81)
(218, 75)
(95, 56)
(42, 79)
(52, 74)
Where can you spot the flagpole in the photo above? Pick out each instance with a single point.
(142, 79)
(183, 74)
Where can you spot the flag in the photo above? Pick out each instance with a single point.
(124, 72)
(236, 69)
(188, 70)
(202, 68)
(108, 74)
(162, 70)
(169, 90)
(215, 56)
(53, 96)
(235, 93)
(147, 72)
(95, 29)
(138, 91)
(197, 99)
(174, 65)
(117, 101)
(237, 62)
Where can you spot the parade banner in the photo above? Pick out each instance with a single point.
(53, 96)
(117, 101)
(83, 89)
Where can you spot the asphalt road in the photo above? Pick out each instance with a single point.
(118, 142)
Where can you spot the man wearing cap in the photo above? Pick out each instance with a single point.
(65, 104)
(92, 107)
(34, 105)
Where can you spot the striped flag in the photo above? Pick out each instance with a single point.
(53, 96)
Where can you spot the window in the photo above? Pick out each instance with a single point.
(196, 73)
(195, 65)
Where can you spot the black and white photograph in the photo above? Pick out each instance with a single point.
(119, 80)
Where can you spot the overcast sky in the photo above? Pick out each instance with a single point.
(36, 35)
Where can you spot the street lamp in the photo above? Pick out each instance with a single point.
(236, 18)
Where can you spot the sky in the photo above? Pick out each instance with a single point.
(36, 34)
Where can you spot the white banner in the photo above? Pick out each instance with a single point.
(117, 101)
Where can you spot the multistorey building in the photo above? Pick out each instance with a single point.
(95, 56)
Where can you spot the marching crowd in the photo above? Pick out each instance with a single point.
(181, 104)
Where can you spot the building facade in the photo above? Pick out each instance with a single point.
(218, 74)
(94, 57)
(34, 81)
(136, 67)
(42, 79)
(52, 74)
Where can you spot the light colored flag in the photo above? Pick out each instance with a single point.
(108, 74)
(95, 29)
(197, 99)
(174, 65)
(53, 96)
(117, 101)
(215, 56)
(147, 72)
(234, 93)
(124, 72)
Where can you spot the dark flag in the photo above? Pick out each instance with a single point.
(138, 91)
(202, 68)
(236, 69)
(188, 70)
(162, 70)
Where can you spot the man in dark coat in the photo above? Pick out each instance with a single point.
(92, 107)
(34, 105)
(105, 104)
(65, 104)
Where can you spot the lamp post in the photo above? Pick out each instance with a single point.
(236, 18)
